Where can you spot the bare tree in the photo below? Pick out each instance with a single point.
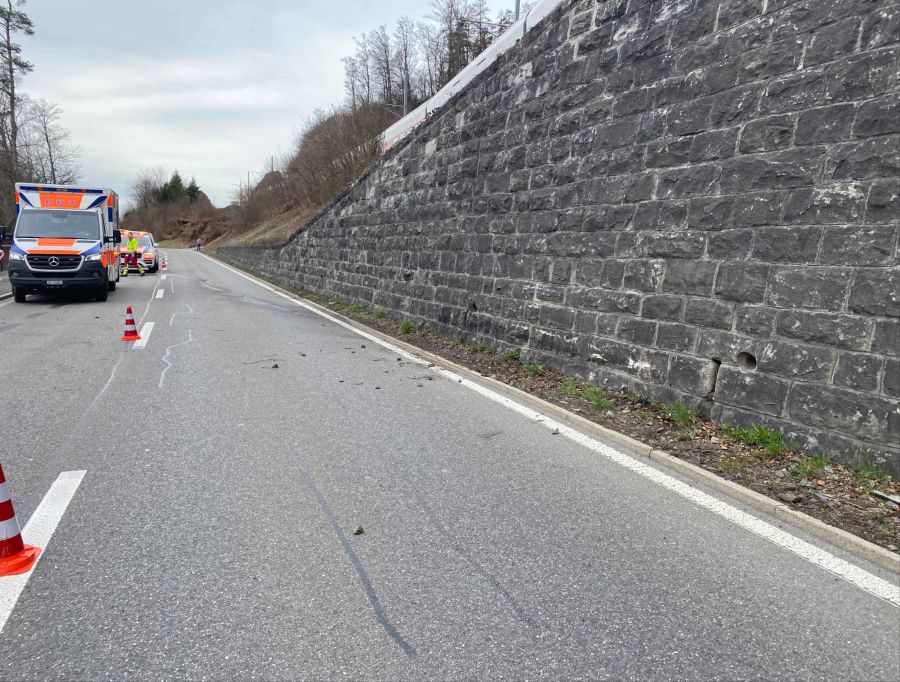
(363, 61)
(147, 186)
(12, 21)
(432, 47)
(381, 52)
(405, 53)
(47, 150)
(351, 80)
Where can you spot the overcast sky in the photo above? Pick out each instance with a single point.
(213, 88)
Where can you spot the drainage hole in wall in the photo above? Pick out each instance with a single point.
(747, 362)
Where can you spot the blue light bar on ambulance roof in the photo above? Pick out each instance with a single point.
(72, 190)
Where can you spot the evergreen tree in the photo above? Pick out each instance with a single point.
(173, 190)
(193, 190)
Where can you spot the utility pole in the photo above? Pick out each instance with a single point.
(518, 8)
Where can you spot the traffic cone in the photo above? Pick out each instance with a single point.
(165, 264)
(130, 329)
(15, 556)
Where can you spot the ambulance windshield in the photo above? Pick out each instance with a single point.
(40, 223)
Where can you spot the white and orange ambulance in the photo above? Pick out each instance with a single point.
(66, 238)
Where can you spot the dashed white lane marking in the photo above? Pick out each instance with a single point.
(851, 573)
(163, 277)
(160, 293)
(37, 532)
(146, 331)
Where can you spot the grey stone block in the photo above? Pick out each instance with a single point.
(879, 116)
(861, 76)
(859, 245)
(708, 313)
(825, 124)
(858, 371)
(742, 281)
(774, 170)
(643, 275)
(892, 377)
(810, 287)
(758, 208)
(796, 360)
(876, 291)
(877, 157)
(677, 337)
(636, 330)
(757, 320)
(767, 134)
(689, 277)
(840, 331)
(696, 376)
(884, 202)
(753, 391)
(852, 413)
(787, 245)
(730, 244)
(663, 307)
(886, 338)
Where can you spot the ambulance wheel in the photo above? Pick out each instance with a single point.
(102, 294)
(19, 294)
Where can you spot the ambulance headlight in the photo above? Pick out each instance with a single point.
(94, 257)
(17, 256)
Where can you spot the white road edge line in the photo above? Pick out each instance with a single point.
(145, 333)
(37, 532)
(160, 293)
(853, 574)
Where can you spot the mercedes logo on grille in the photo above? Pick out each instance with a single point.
(53, 262)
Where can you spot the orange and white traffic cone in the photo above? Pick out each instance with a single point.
(130, 328)
(15, 556)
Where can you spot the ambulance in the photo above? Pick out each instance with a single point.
(66, 238)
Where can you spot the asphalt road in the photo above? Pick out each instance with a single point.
(212, 535)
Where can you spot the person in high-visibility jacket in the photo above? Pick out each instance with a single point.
(131, 258)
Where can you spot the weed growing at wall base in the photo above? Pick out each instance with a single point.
(532, 369)
(681, 414)
(759, 435)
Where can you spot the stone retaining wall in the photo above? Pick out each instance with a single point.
(695, 199)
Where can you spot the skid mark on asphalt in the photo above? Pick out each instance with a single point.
(464, 554)
(380, 614)
(162, 376)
